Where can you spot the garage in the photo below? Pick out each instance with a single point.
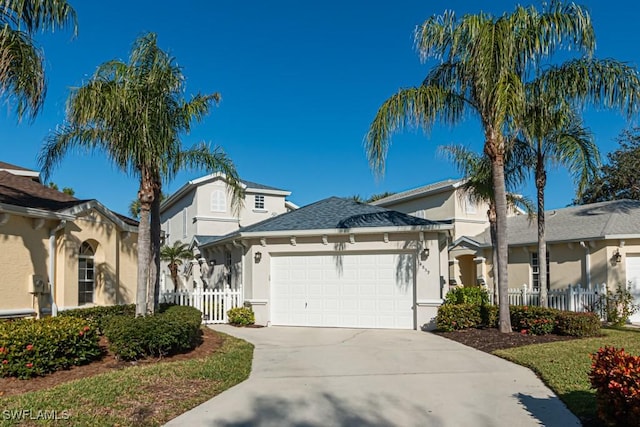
(348, 290)
(633, 279)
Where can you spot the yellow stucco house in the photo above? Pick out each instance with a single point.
(58, 252)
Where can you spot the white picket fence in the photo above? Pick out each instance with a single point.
(213, 304)
(573, 298)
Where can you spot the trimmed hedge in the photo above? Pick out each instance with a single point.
(31, 347)
(241, 316)
(98, 316)
(578, 324)
(453, 317)
(174, 330)
(615, 375)
(533, 320)
(467, 295)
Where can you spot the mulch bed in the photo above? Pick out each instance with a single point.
(490, 339)
(211, 342)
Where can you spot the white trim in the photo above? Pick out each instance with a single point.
(22, 172)
(260, 210)
(33, 213)
(251, 190)
(215, 218)
(470, 221)
(400, 197)
(290, 205)
(429, 302)
(620, 236)
(103, 210)
(17, 312)
(257, 301)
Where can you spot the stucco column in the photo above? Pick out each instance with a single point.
(481, 271)
(454, 272)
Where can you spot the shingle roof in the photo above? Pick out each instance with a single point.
(334, 213)
(5, 165)
(416, 192)
(21, 191)
(251, 184)
(203, 239)
(585, 222)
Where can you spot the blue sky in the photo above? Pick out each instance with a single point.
(300, 82)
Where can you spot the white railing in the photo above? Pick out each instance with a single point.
(573, 298)
(213, 304)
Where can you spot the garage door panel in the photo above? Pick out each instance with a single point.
(349, 291)
(633, 281)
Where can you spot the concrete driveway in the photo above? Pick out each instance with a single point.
(354, 377)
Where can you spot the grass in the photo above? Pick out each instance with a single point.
(564, 366)
(137, 396)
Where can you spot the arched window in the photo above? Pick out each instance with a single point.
(218, 201)
(86, 274)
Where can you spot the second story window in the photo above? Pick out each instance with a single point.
(218, 201)
(259, 201)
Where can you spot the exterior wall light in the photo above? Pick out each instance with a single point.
(257, 257)
(424, 254)
(617, 257)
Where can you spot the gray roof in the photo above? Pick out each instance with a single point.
(204, 239)
(251, 184)
(335, 213)
(417, 192)
(611, 219)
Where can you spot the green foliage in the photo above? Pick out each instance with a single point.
(467, 295)
(171, 331)
(31, 348)
(533, 320)
(99, 316)
(578, 324)
(617, 306)
(615, 375)
(241, 316)
(490, 315)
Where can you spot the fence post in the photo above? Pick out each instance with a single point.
(571, 302)
(524, 294)
(227, 303)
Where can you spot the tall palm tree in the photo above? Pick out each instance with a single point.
(478, 184)
(174, 255)
(553, 134)
(485, 64)
(135, 113)
(22, 76)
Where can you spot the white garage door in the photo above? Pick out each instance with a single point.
(633, 281)
(357, 291)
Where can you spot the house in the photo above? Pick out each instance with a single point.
(587, 245)
(59, 252)
(447, 201)
(202, 210)
(338, 263)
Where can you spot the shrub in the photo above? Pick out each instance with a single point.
(533, 320)
(467, 295)
(615, 375)
(31, 347)
(174, 330)
(490, 315)
(578, 324)
(617, 306)
(453, 317)
(241, 316)
(98, 316)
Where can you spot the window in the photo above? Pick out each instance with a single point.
(86, 274)
(535, 272)
(184, 223)
(259, 201)
(218, 201)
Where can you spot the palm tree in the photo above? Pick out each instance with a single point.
(553, 134)
(174, 255)
(22, 76)
(485, 64)
(134, 113)
(478, 183)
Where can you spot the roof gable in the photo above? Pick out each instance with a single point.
(437, 187)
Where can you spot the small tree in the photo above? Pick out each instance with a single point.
(175, 255)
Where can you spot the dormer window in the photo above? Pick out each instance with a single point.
(259, 202)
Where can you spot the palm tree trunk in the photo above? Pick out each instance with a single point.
(541, 181)
(173, 268)
(145, 194)
(153, 291)
(494, 148)
(491, 213)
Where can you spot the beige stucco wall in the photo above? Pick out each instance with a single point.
(23, 252)
(430, 274)
(273, 205)
(437, 206)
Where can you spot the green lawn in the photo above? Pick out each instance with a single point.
(564, 366)
(137, 396)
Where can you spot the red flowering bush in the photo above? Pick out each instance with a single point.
(37, 347)
(533, 320)
(615, 375)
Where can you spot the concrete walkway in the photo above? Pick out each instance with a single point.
(349, 377)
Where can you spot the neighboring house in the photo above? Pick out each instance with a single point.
(56, 248)
(202, 210)
(338, 263)
(587, 245)
(447, 201)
